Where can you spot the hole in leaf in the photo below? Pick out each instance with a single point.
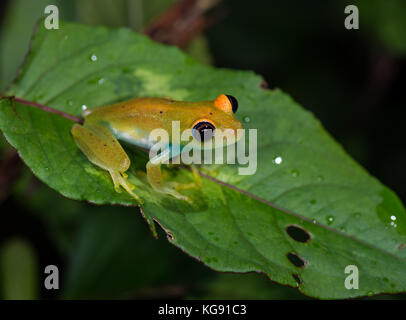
(297, 278)
(298, 234)
(296, 260)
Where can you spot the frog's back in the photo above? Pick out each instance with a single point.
(133, 106)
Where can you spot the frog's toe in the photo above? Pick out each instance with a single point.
(183, 186)
(173, 191)
(128, 184)
(116, 183)
(177, 195)
(136, 197)
(119, 180)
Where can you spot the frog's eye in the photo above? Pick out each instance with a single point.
(227, 103)
(203, 131)
(234, 103)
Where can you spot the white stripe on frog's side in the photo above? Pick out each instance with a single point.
(135, 139)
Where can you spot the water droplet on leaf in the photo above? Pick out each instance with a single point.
(277, 160)
(330, 220)
(93, 57)
(390, 212)
(393, 224)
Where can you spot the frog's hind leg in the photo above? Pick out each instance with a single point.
(102, 149)
(154, 176)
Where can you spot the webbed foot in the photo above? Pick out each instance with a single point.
(174, 193)
(120, 180)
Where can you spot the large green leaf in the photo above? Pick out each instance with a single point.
(236, 223)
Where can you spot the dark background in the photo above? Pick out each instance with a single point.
(352, 80)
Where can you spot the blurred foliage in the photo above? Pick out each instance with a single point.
(385, 21)
(19, 270)
(250, 286)
(132, 13)
(199, 49)
(299, 46)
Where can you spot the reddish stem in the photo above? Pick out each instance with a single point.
(47, 109)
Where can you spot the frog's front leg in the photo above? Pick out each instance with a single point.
(102, 149)
(154, 176)
(197, 183)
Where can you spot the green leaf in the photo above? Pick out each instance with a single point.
(236, 223)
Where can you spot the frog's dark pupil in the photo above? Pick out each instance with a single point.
(203, 131)
(234, 103)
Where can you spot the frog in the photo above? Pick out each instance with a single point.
(133, 121)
